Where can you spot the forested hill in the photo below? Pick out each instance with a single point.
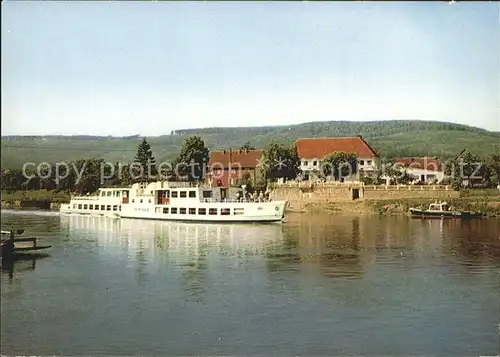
(389, 138)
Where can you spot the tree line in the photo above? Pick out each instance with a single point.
(280, 161)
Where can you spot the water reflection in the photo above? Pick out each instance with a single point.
(188, 248)
(21, 263)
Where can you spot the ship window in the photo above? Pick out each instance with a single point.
(140, 200)
(133, 200)
(192, 211)
(202, 211)
(158, 210)
(109, 193)
(173, 210)
(96, 207)
(182, 210)
(149, 200)
(79, 206)
(103, 193)
(225, 211)
(238, 211)
(85, 206)
(192, 194)
(165, 210)
(174, 194)
(212, 211)
(207, 194)
(91, 206)
(108, 208)
(115, 208)
(74, 205)
(183, 194)
(120, 208)
(102, 207)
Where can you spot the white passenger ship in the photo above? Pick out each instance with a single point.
(175, 201)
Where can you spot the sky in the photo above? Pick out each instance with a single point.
(127, 68)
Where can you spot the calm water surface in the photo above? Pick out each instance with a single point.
(317, 285)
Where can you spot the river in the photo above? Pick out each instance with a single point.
(316, 285)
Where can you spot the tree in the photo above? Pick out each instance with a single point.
(247, 146)
(465, 170)
(144, 167)
(280, 161)
(90, 179)
(339, 165)
(493, 162)
(193, 158)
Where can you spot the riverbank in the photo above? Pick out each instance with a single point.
(486, 201)
(489, 206)
(42, 199)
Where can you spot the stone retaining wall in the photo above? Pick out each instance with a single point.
(299, 197)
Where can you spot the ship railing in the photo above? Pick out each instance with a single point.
(234, 200)
(85, 198)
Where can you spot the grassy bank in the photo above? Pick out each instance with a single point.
(490, 206)
(34, 196)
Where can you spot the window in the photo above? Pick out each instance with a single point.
(173, 210)
(80, 206)
(103, 193)
(74, 205)
(109, 194)
(315, 163)
(174, 194)
(120, 208)
(108, 208)
(212, 211)
(91, 206)
(361, 162)
(115, 208)
(306, 163)
(149, 200)
(183, 194)
(192, 194)
(165, 210)
(202, 211)
(140, 201)
(207, 194)
(192, 211)
(238, 211)
(102, 207)
(96, 207)
(369, 162)
(182, 211)
(133, 200)
(85, 206)
(225, 211)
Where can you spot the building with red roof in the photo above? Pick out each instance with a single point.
(228, 166)
(424, 169)
(312, 150)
